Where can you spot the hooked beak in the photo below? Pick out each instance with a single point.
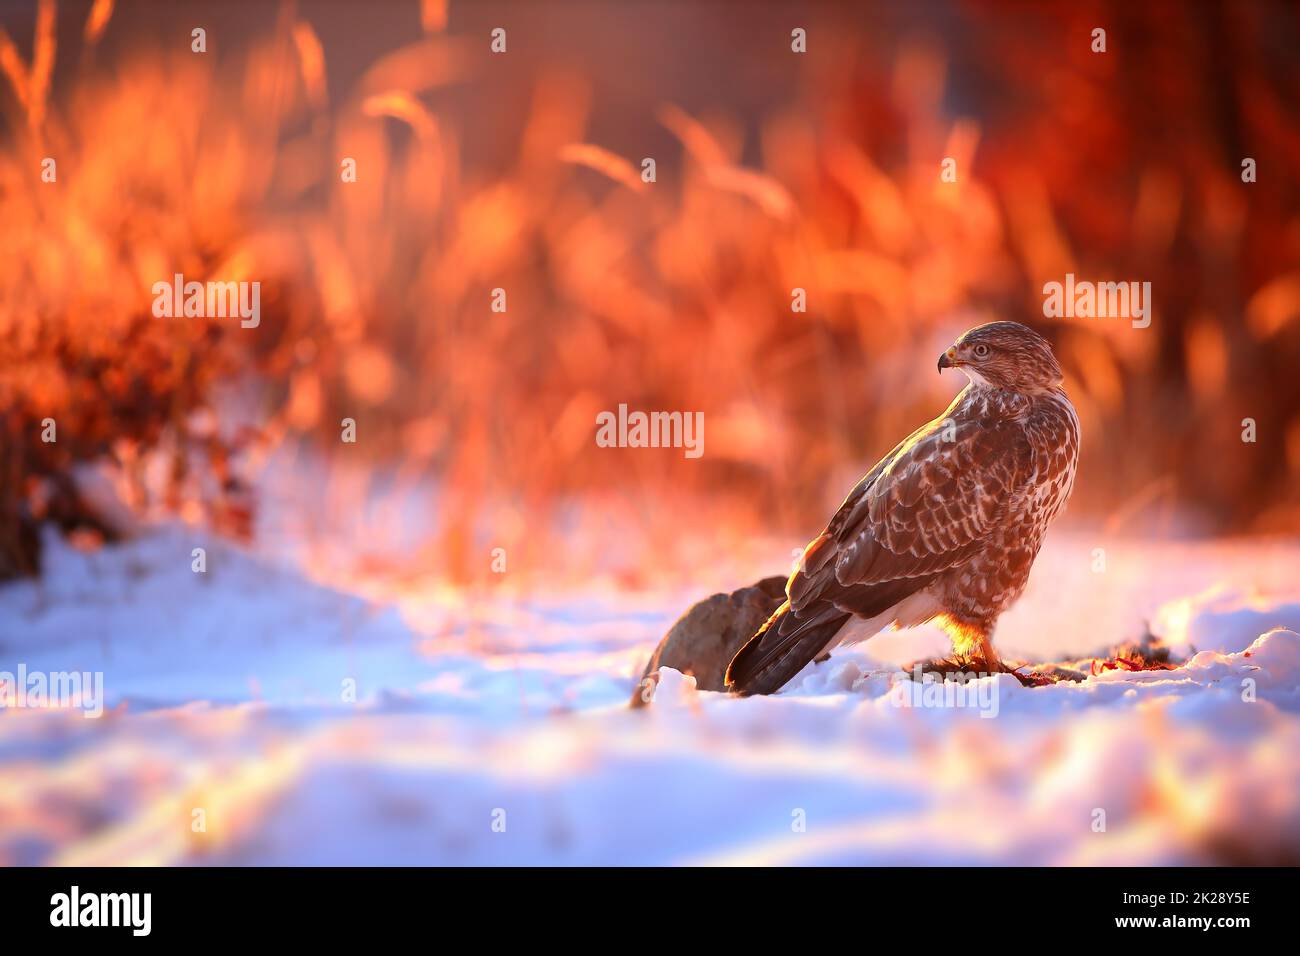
(948, 359)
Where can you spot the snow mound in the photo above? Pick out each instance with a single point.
(1222, 619)
(230, 736)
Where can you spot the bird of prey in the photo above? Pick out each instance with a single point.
(945, 528)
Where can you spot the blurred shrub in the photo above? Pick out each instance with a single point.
(674, 295)
(151, 177)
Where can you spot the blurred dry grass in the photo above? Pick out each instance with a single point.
(672, 295)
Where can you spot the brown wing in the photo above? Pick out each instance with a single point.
(925, 508)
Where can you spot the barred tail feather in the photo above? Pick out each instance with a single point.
(782, 647)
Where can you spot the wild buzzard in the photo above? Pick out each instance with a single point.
(945, 527)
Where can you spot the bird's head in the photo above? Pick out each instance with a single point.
(1005, 355)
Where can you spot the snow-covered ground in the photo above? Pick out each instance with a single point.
(254, 717)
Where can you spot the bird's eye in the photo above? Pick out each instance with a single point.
(981, 351)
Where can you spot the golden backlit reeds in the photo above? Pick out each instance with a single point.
(674, 294)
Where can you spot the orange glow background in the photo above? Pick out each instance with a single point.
(520, 171)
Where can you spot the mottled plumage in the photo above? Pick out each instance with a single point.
(945, 527)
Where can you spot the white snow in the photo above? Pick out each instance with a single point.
(498, 732)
